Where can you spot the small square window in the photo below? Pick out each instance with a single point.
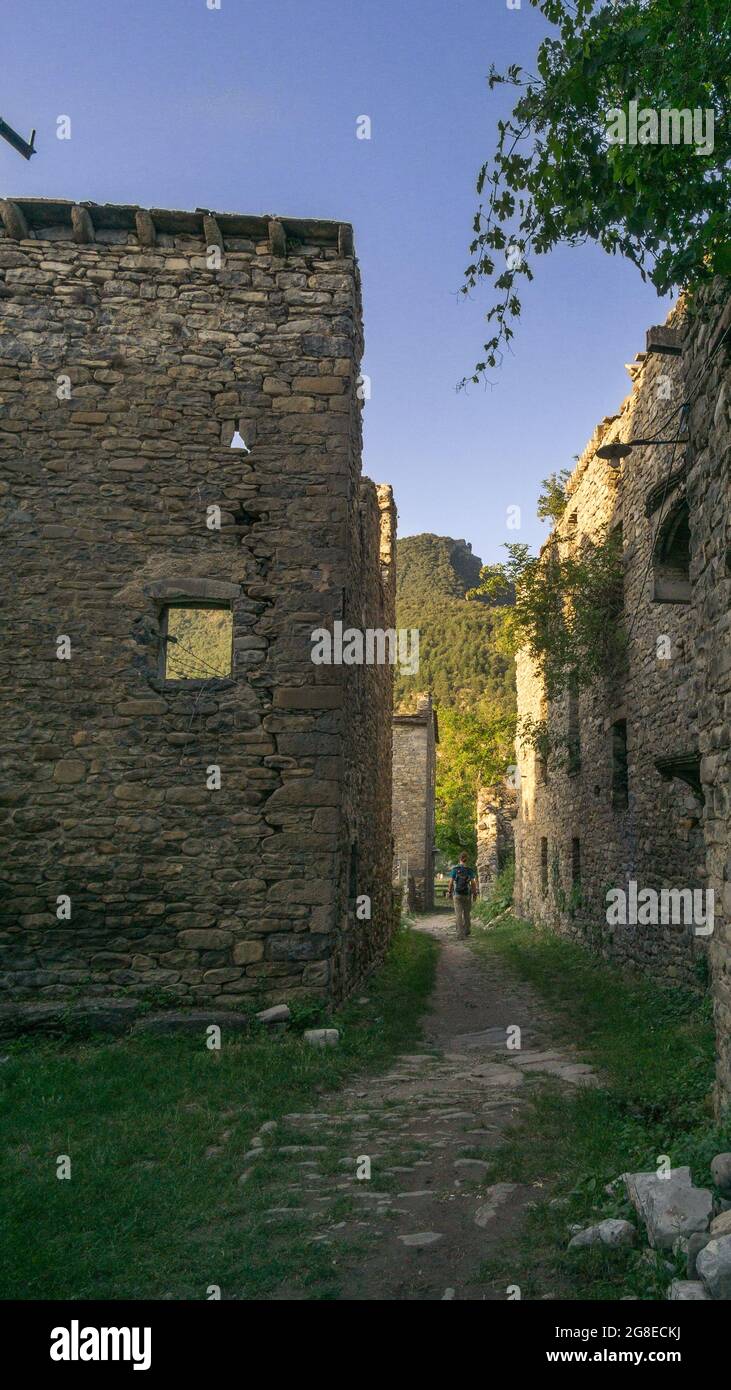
(197, 642)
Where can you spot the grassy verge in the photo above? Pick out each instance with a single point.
(146, 1213)
(653, 1049)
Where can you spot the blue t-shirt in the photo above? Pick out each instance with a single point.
(462, 877)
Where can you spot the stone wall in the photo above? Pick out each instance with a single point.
(496, 808)
(577, 834)
(131, 347)
(707, 353)
(414, 775)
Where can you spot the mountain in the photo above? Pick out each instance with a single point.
(427, 563)
(458, 661)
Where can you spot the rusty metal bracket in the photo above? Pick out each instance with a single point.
(24, 147)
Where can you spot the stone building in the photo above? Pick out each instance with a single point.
(635, 786)
(191, 805)
(415, 736)
(496, 809)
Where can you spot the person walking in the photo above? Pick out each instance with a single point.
(462, 889)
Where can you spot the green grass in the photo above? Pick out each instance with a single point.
(145, 1214)
(654, 1052)
(500, 896)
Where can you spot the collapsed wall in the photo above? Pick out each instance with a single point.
(194, 821)
(415, 737)
(495, 812)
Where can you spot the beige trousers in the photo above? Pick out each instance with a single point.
(462, 909)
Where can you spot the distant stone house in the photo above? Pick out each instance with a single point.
(636, 789)
(415, 737)
(191, 806)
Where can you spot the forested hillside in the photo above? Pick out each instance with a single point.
(457, 657)
(471, 679)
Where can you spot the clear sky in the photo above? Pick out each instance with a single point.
(253, 108)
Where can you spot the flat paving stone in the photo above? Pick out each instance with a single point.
(471, 1167)
(421, 1239)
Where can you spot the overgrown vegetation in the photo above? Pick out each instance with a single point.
(553, 499)
(500, 896)
(147, 1213)
(567, 610)
(653, 1050)
(561, 172)
(471, 678)
(475, 747)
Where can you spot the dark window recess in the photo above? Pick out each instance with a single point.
(620, 779)
(574, 733)
(671, 557)
(242, 517)
(197, 642)
(541, 769)
(353, 875)
(544, 865)
(575, 859)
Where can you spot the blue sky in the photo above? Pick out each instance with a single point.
(253, 108)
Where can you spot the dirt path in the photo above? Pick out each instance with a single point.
(427, 1216)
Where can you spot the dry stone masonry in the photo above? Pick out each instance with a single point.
(641, 790)
(415, 736)
(496, 807)
(196, 832)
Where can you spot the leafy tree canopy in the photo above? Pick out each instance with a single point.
(567, 609)
(471, 677)
(561, 172)
(552, 500)
(475, 748)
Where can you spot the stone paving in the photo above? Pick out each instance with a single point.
(425, 1218)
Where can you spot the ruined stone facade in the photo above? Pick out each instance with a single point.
(496, 808)
(415, 737)
(200, 837)
(636, 786)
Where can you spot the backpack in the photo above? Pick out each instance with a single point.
(462, 877)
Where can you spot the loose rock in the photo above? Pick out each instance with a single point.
(721, 1173)
(714, 1266)
(612, 1232)
(322, 1037)
(686, 1291)
(669, 1206)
